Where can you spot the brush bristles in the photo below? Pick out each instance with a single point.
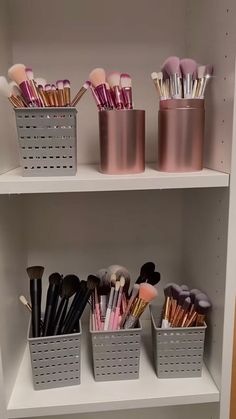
(23, 300)
(97, 77)
(15, 90)
(125, 80)
(35, 272)
(5, 88)
(122, 281)
(92, 282)
(29, 73)
(147, 292)
(182, 297)
(87, 84)
(60, 84)
(201, 71)
(168, 290)
(172, 66)
(186, 303)
(203, 307)
(114, 79)
(66, 83)
(40, 81)
(188, 66)
(176, 290)
(55, 278)
(48, 87)
(17, 73)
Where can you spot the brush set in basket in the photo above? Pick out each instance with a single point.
(26, 91)
(182, 78)
(114, 305)
(184, 307)
(111, 91)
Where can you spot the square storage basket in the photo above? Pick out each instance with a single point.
(47, 141)
(55, 360)
(178, 352)
(116, 354)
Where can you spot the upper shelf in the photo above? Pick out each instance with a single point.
(89, 179)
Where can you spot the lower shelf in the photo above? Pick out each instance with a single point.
(90, 396)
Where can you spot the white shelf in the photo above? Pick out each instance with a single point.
(89, 179)
(90, 396)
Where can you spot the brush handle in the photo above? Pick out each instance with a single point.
(79, 310)
(127, 96)
(97, 309)
(131, 300)
(71, 311)
(36, 296)
(60, 316)
(117, 311)
(51, 307)
(107, 318)
(131, 322)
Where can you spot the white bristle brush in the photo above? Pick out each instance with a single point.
(66, 84)
(114, 81)
(17, 93)
(98, 80)
(198, 83)
(172, 67)
(207, 76)
(189, 69)
(61, 96)
(126, 87)
(6, 90)
(157, 84)
(40, 81)
(17, 73)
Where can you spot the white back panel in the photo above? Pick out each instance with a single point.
(13, 316)
(211, 39)
(8, 150)
(77, 36)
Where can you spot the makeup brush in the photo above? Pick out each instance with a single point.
(147, 293)
(66, 84)
(145, 272)
(18, 74)
(154, 278)
(202, 310)
(103, 291)
(80, 93)
(126, 88)
(184, 287)
(158, 84)
(49, 94)
(109, 306)
(134, 294)
(92, 283)
(69, 286)
(6, 90)
(119, 271)
(35, 274)
(176, 290)
(184, 312)
(30, 76)
(53, 293)
(188, 68)
(40, 81)
(16, 92)
(55, 94)
(28, 306)
(207, 76)
(114, 302)
(61, 97)
(114, 81)
(109, 96)
(181, 298)
(72, 309)
(43, 96)
(198, 83)
(118, 305)
(98, 80)
(167, 306)
(172, 67)
(96, 97)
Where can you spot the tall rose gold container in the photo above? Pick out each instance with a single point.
(122, 141)
(181, 135)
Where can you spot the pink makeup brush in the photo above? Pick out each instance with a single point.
(109, 95)
(114, 82)
(98, 80)
(118, 305)
(114, 302)
(96, 97)
(17, 73)
(80, 93)
(61, 96)
(55, 95)
(30, 75)
(16, 92)
(126, 87)
(134, 294)
(172, 67)
(147, 293)
(189, 70)
(109, 306)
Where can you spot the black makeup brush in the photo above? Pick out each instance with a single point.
(35, 274)
(53, 293)
(92, 283)
(154, 278)
(70, 285)
(146, 270)
(71, 311)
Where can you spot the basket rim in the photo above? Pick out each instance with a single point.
(97, 332)
(53, 337)
(46, 109)
(158, 329)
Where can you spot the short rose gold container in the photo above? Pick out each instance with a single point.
(181, 135)
(122, 141)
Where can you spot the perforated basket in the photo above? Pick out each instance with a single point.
(55, 360)
(178, 352)
(47, 141)
(116, 354)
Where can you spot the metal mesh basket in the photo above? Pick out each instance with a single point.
(55, 360)
(47, 140)
(116, 354)
(178, 352)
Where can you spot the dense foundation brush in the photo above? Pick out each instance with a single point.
(53, 293)
(35, 274)
(70, 285)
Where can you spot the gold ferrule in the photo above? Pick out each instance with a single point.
(51, 97)
(56, 97)
(67, 96)
(167, 309)
(61, 99)
(78, 96)
(191, 320)
(200, 320)
(44, 97)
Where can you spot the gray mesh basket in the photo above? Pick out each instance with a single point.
(178, 352)
(55, 360)
(116, 354)
(47, 141)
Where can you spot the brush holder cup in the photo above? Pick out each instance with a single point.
(181, 135)
(178, 351)
(122, 141)
(55, 360)
(47, 141)
(116, 354)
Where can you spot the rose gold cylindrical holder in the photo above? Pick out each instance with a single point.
(181, 135)
(122, 141)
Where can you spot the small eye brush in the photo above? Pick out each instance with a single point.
(118, 305)
(30, 76)
(167, 306)
(126, 88)
(66, 84)
(35, 274)
(49, 93)
(61, 96)
(114, 302)
(80, 93)
(189, 69)
(55, 95)
(109, 306)
(181, 298)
